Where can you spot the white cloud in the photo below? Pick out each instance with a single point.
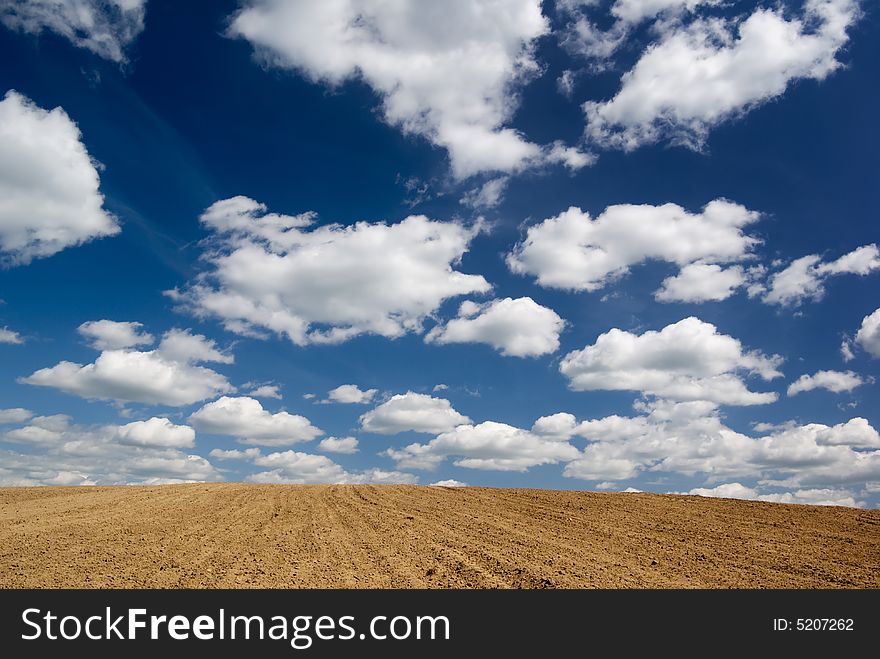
(449, 482)
(688, 360)
(10, 337)
(635, 11)
(698, 282)
(804, 278)
(412, 411)
(48, 183)
(61, 453)
(488, 445)
(690, 439)
(245, 419)
(266, 391)
(846, 352)
(440, 387)
(156, 432)
(105, 27)
(165, 376)
(516, 328)
(303, 468)
(709, 70)
(488, 195)
(868, 336)
(297, 468)
(15, 415)
(836, 381)
(815, 497)
(184, 346)
(344, 445)
(582, 37)
(573, 251)
(113, 335)
(235, 454)
(331, 283)
(565, 83)
(561, 426)
(351, 394)
(449, 72)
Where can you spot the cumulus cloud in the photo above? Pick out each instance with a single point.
(15, 415)
(448, 72)
(836, 381)
(351, 394)
(62, 453)
(814, 497)
(245, 419)
(561, 426)
(344, 445)
(868, 336)
(576, 252)
(266, 391)
(167, 375)
(449, 482)
(105, 27)
(699, 282)
(10, 337)
(235, 454)
(706, 71)
(691, 439)
(687, 360)
(113, 335)
(294, 467)
(412, 411)
(156, 432)
(330, 283)
(516, 328)
(488, 445)
(804, 278)
(48, 182)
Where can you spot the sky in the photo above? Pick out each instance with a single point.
(602, 245)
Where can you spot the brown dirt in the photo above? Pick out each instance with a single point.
(366, 536)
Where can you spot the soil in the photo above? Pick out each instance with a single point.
(234, 535)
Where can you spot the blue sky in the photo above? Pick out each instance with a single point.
(659, 217)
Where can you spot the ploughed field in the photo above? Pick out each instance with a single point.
(234, 535)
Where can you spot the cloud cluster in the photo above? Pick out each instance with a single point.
(804, 278)
(167, 375)
(814, 497)
(448, 72)
(61, 453)
(687, 360)
(691, 439)
(294, 467)
(516, 328)
(330, 283)
(705, 71)
(573, 251)
(488, 445)
(412, 412)
(245, 419)
(48, 182)
(105, 27)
